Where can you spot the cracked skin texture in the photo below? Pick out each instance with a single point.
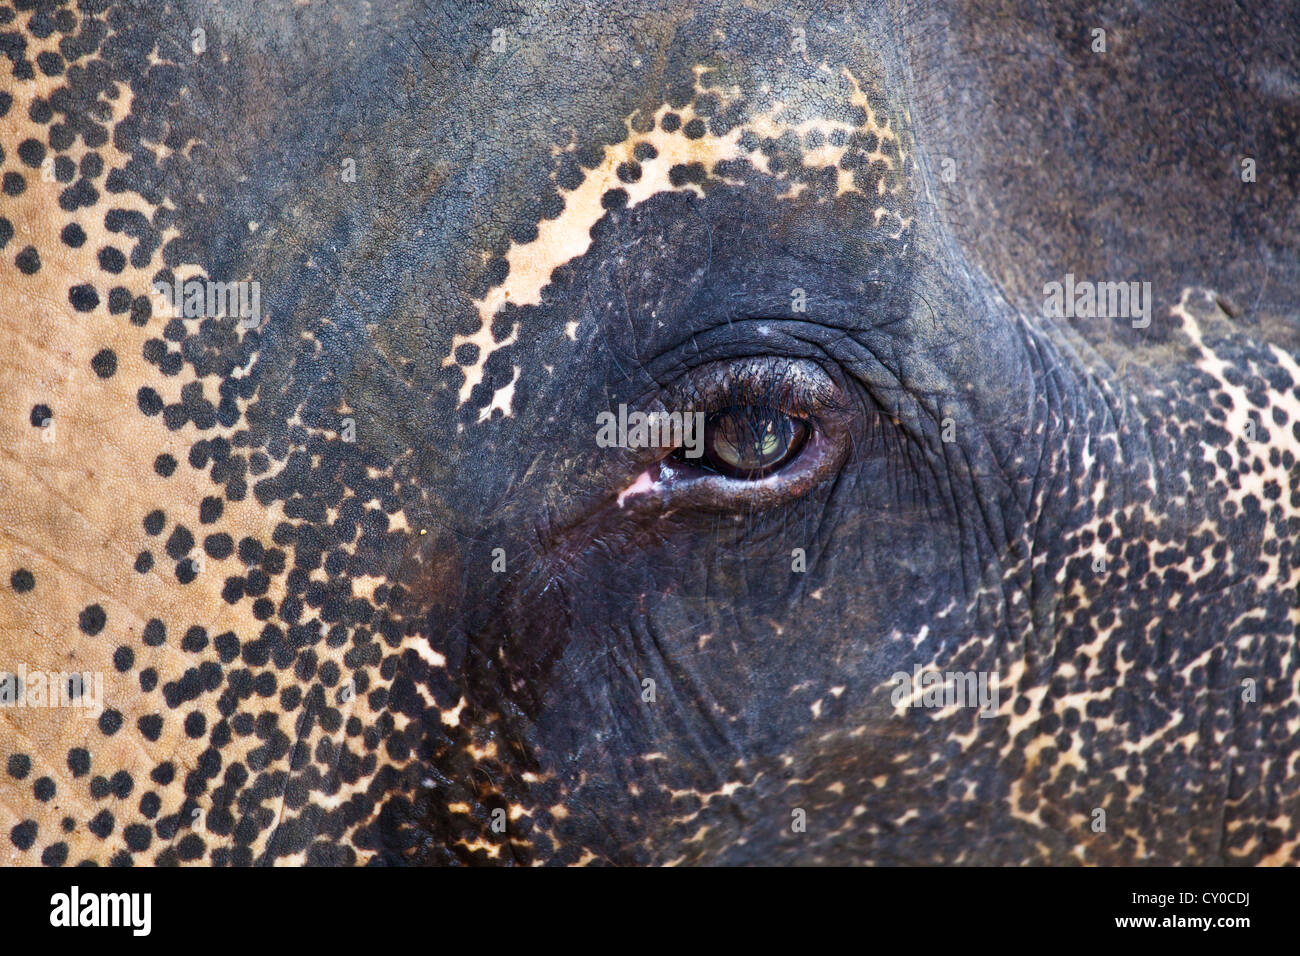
(305, 654)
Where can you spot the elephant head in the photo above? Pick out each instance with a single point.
(698, 433)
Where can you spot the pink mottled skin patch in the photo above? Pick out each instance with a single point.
(643, 484)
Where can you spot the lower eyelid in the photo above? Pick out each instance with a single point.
(674, 485)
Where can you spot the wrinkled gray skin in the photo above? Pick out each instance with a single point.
(1099, 518)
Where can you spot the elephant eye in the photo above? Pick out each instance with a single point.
(749, 442)
(765, 432)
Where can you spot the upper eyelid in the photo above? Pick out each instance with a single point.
(784, 384)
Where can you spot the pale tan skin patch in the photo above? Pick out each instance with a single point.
(73, 496)
(567, 237)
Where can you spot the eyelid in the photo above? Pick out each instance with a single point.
(795, 387)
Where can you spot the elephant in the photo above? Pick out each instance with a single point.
(569, 433)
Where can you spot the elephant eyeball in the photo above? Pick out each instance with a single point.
(749, 442)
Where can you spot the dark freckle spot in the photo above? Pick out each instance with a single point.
(150, 725)
(671, 122)
(91, 165)
(154, 350)
(22, 581)
(51, 63)
(104, 363)
(64, 169)
(210, 510)
(614, 199)
(144, 562)
(119, 300)
(111, 259)
(94, 135)
(79, 761)
(681, 174)
(110, 722)
(148, 679)
(101, 824)
(83, 297)
(28, 261)
(92, 619)
(255, 653)
(44, 789)
(138, 837)
(250, 551)
(149, 401)
(195, 640)
(20, 765)
(153, 522)
(6, 231)
(123, 658)
(232, 592)
(31, 152)
(227, 646)
(218, 546)
(68, 824)
(155, 633)
(180, 542)
(23, 835)
(164, 465)
(694, 129)
(187, 570)
(644, 151)
(141, 309)
(40, 415)
(629, 172)
(14, 184)
(466, 354)
(73, 235)
(62, 135)
(163, 774)
(195, 725)
(191, 847)
(329, 673)
(175, 416)
(122, 783)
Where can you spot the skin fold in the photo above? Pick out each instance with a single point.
(352, 580)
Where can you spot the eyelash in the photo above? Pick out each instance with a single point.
(778, 385)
